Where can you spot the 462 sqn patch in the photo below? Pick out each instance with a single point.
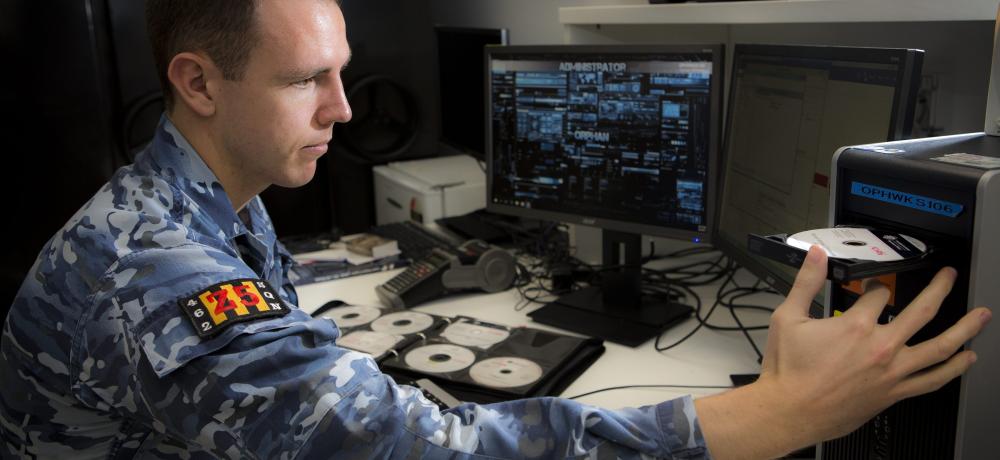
(222, 305)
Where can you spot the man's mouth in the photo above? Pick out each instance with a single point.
(318, 149)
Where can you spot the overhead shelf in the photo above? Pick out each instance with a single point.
(782, 11)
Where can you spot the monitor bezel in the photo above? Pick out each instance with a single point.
(900, 124)
(717, 52)
(448, 145)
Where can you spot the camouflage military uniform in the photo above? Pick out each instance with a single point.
(99, 358)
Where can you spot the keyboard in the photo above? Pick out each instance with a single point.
(414, 240)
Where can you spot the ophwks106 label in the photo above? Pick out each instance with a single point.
(439, 358)
(860, 243)
(505, 372)
(404, 322)
(351, 316)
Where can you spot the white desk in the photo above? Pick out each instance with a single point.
(707, 358)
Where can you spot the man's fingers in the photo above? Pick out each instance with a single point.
(808, 282)
(934, 378)
(924, 307)
(870, 305)
(940, 348)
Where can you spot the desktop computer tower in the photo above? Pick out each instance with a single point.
(944, 191)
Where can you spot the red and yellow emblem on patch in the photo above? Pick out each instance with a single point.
(219, 306)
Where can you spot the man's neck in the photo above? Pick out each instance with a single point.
(239, 191)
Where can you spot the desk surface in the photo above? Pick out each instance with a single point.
(705, 359)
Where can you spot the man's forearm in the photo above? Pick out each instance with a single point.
(752, 422)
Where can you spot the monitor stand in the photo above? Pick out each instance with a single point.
(616, 310)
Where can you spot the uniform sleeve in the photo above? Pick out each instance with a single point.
(281, 388)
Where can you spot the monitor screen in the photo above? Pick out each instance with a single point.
(461, 85)
(790, 109)
(618, 137)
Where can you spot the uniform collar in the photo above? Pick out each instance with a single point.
(171, 155)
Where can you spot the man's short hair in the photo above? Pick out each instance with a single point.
(225, 30)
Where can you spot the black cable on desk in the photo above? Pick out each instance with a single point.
(746, 332)
(701, 323)
(697, 314)
(548, 247)
(627, 387)
(666, 283)
(671, 283)
(736, 293)
(685, 274)
(720, 299)
(732, 305)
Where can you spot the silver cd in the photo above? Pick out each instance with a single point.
(404, 322)
(353, 315)
(859, 243)
(440, 357)
(474, 335)
(505, 372)
(373, 343)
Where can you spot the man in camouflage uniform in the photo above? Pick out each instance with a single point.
(103, 356)
(160, 322)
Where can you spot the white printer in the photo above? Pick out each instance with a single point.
(428, 189)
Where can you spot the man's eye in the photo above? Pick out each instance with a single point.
(304, 83)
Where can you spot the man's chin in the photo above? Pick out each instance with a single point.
(294, 184)
(299, 179)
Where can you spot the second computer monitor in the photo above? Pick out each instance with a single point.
(790, 108)
(618, 137)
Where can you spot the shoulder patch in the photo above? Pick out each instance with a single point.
(217, 307)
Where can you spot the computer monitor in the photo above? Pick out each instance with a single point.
(624, 138)
(790, 108)
(460, 77)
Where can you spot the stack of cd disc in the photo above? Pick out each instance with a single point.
(508, 361)
(472, 333)
(488, 361)
(377, 331)
(374, 343)
(351, 316)
(403, 322)
(439, 358)
(505, 372)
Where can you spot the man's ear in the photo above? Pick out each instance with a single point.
(192, 75)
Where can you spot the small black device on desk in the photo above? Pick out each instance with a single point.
(415, 241)
(475, 265)
(475, 225)
(490, 227)
(297, 244)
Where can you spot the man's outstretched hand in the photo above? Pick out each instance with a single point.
(823, 378)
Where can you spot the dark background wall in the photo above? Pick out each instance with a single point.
(393, 56)
(63, 144)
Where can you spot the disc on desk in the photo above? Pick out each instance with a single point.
(505, 372)
(373, 343)
(439, 358)
(351, 316)
(403, 322)
(474, 335)
(860, 243)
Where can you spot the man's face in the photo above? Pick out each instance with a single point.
(276, 121)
